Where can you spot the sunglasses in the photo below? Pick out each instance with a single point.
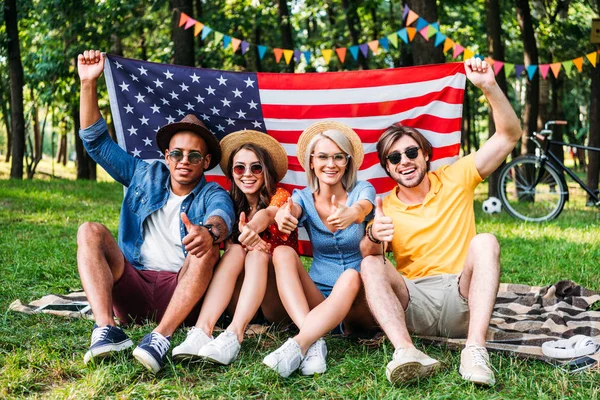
(255, 169)
(194, 157)
(395, 157)
(339, 159)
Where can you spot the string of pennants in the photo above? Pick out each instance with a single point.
(413, 24)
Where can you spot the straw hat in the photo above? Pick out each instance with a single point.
(320, 127)
(236, 139)
(193, 124)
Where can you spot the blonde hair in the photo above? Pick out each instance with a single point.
(342, 141)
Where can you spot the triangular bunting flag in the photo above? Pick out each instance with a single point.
(439, 39)
(479, 56)
(519, 68)
(374, 46)
(341, 53)
(288, 54)
(544, 68)
(458, 49)
(364, 49)
(412, 32)
(245, 46)
(297, 55)
(436, 26)
(226, 41)
(592, 57)
(385, 43)
(183, 17)
(531, 71)
(424, 32)
(468, 54)
(489, 60)
(421, 23)
(393, 39)
(354, 51)
(235, 44)
(508, 68)
(555, 69)
(307, 56)
(568, 65)
(403, 35)
(189, 23)
(431, 31)
(327, 55)
(261, 51)
(411, 17)
(198, 28)
(578, 63)
(278, 53)
(448, 44)
(205, 31)
(218, 37)
(497, 66)
(405, 11)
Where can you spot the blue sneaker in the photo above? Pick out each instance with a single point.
(152, 350)
(106, 340)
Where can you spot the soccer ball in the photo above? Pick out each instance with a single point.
(492, 206)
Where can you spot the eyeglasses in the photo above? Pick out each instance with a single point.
(194, 157)
(339, 159)
(395, 157)
(255, 169)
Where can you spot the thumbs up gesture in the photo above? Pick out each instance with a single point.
(198, 241)
(383, 227)
(286, 222)
(341, 216)
(249, 237)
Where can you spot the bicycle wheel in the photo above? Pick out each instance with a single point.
(522, 198)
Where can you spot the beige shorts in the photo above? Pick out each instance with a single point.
(436, 307)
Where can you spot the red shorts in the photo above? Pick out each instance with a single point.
(141, 295)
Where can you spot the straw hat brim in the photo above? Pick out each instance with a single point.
(234, 140)
(164, 135)
(322, 126)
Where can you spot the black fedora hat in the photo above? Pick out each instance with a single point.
(190, 123)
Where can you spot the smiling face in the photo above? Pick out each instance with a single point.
(407, 173)
(327, 172)
(184, 175)
(248, 182)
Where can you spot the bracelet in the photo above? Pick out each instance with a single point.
(370, 235)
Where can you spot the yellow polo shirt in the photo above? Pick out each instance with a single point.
(432, 238)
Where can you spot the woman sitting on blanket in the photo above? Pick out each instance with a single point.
(254, 162)
(333, 209)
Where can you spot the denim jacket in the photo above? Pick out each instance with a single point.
(148, 190)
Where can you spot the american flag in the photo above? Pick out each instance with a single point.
(145, 96)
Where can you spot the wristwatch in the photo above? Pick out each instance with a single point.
(209, 228)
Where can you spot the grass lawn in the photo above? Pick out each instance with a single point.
(42, 355)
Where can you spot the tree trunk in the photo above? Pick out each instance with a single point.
(199, 41)
(424, 52)
(354, 26)
(532, 95)
(287, 42)
(62, 150)
(593, 167)
(496, 51)
(6, 118)
(86, 167)
(16, 89)
(183, 39)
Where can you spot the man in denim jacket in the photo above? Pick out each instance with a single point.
(171, 223)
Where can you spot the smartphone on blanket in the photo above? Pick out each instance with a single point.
(579, 364)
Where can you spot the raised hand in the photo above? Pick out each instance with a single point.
(383, 227)
(479, 72)
(286, 222)
(90, 65)
(341, 216)
(249, 237)
(198, 241)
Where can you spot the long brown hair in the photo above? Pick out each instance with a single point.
(240, 202)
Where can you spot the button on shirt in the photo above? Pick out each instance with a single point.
(333, 252)
(148, 187)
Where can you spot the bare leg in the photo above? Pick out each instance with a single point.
(272, 307)
(100, 263)
(193, 281)
(387, 297)
(479, 282)
(221, 288)
(359, 318)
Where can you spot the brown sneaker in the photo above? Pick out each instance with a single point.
(408, 364)
(475, 365)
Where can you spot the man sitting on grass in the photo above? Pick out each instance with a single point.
(449, 276)
(171, 223)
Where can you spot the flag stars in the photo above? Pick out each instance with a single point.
(128, 109)
(230, 121)
(249, 82)
(170, 119)
(158, 83)
(147, 141)
(215, 110)
(144, 120)
(124, 87)
(155, 109)
(220, 128)
(157, 129)
(226, 103)
(136, 152)
(180, 112)
(165, 101)
(134, 78)
(160, 154)
(195, 78)
(252, 105)
(257, 124)
(132, 131)
(143, 71)
(174, 95)
(221, 80)
(184, 87)
(119, 66)
(200, 99)
(237, 93)
(241, 114)
(210, 90)
(168, 75)
(149, 89)
(140, 98)
(189, 106)
(205, 117)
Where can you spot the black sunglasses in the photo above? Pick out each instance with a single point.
(194, 157)
(255, 169)
(395, 157)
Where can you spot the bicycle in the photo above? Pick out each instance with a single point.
(533, 187)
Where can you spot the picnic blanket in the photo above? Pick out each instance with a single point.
(524, 316)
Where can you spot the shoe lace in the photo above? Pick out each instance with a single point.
(160, 343)
(226, 340)
(288, 349)
(313, 351)
(479, 355)
(99, 334)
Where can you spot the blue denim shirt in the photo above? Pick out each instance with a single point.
(148, 187)
(333, 252)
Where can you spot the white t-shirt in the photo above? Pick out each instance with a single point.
(162, 249)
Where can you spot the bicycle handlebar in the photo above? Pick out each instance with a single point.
(557, 122)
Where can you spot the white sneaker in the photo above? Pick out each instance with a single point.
(189, 348)
(408, 364)
(314, 361)
(223, 350)
(285, 359)
(475, 365)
